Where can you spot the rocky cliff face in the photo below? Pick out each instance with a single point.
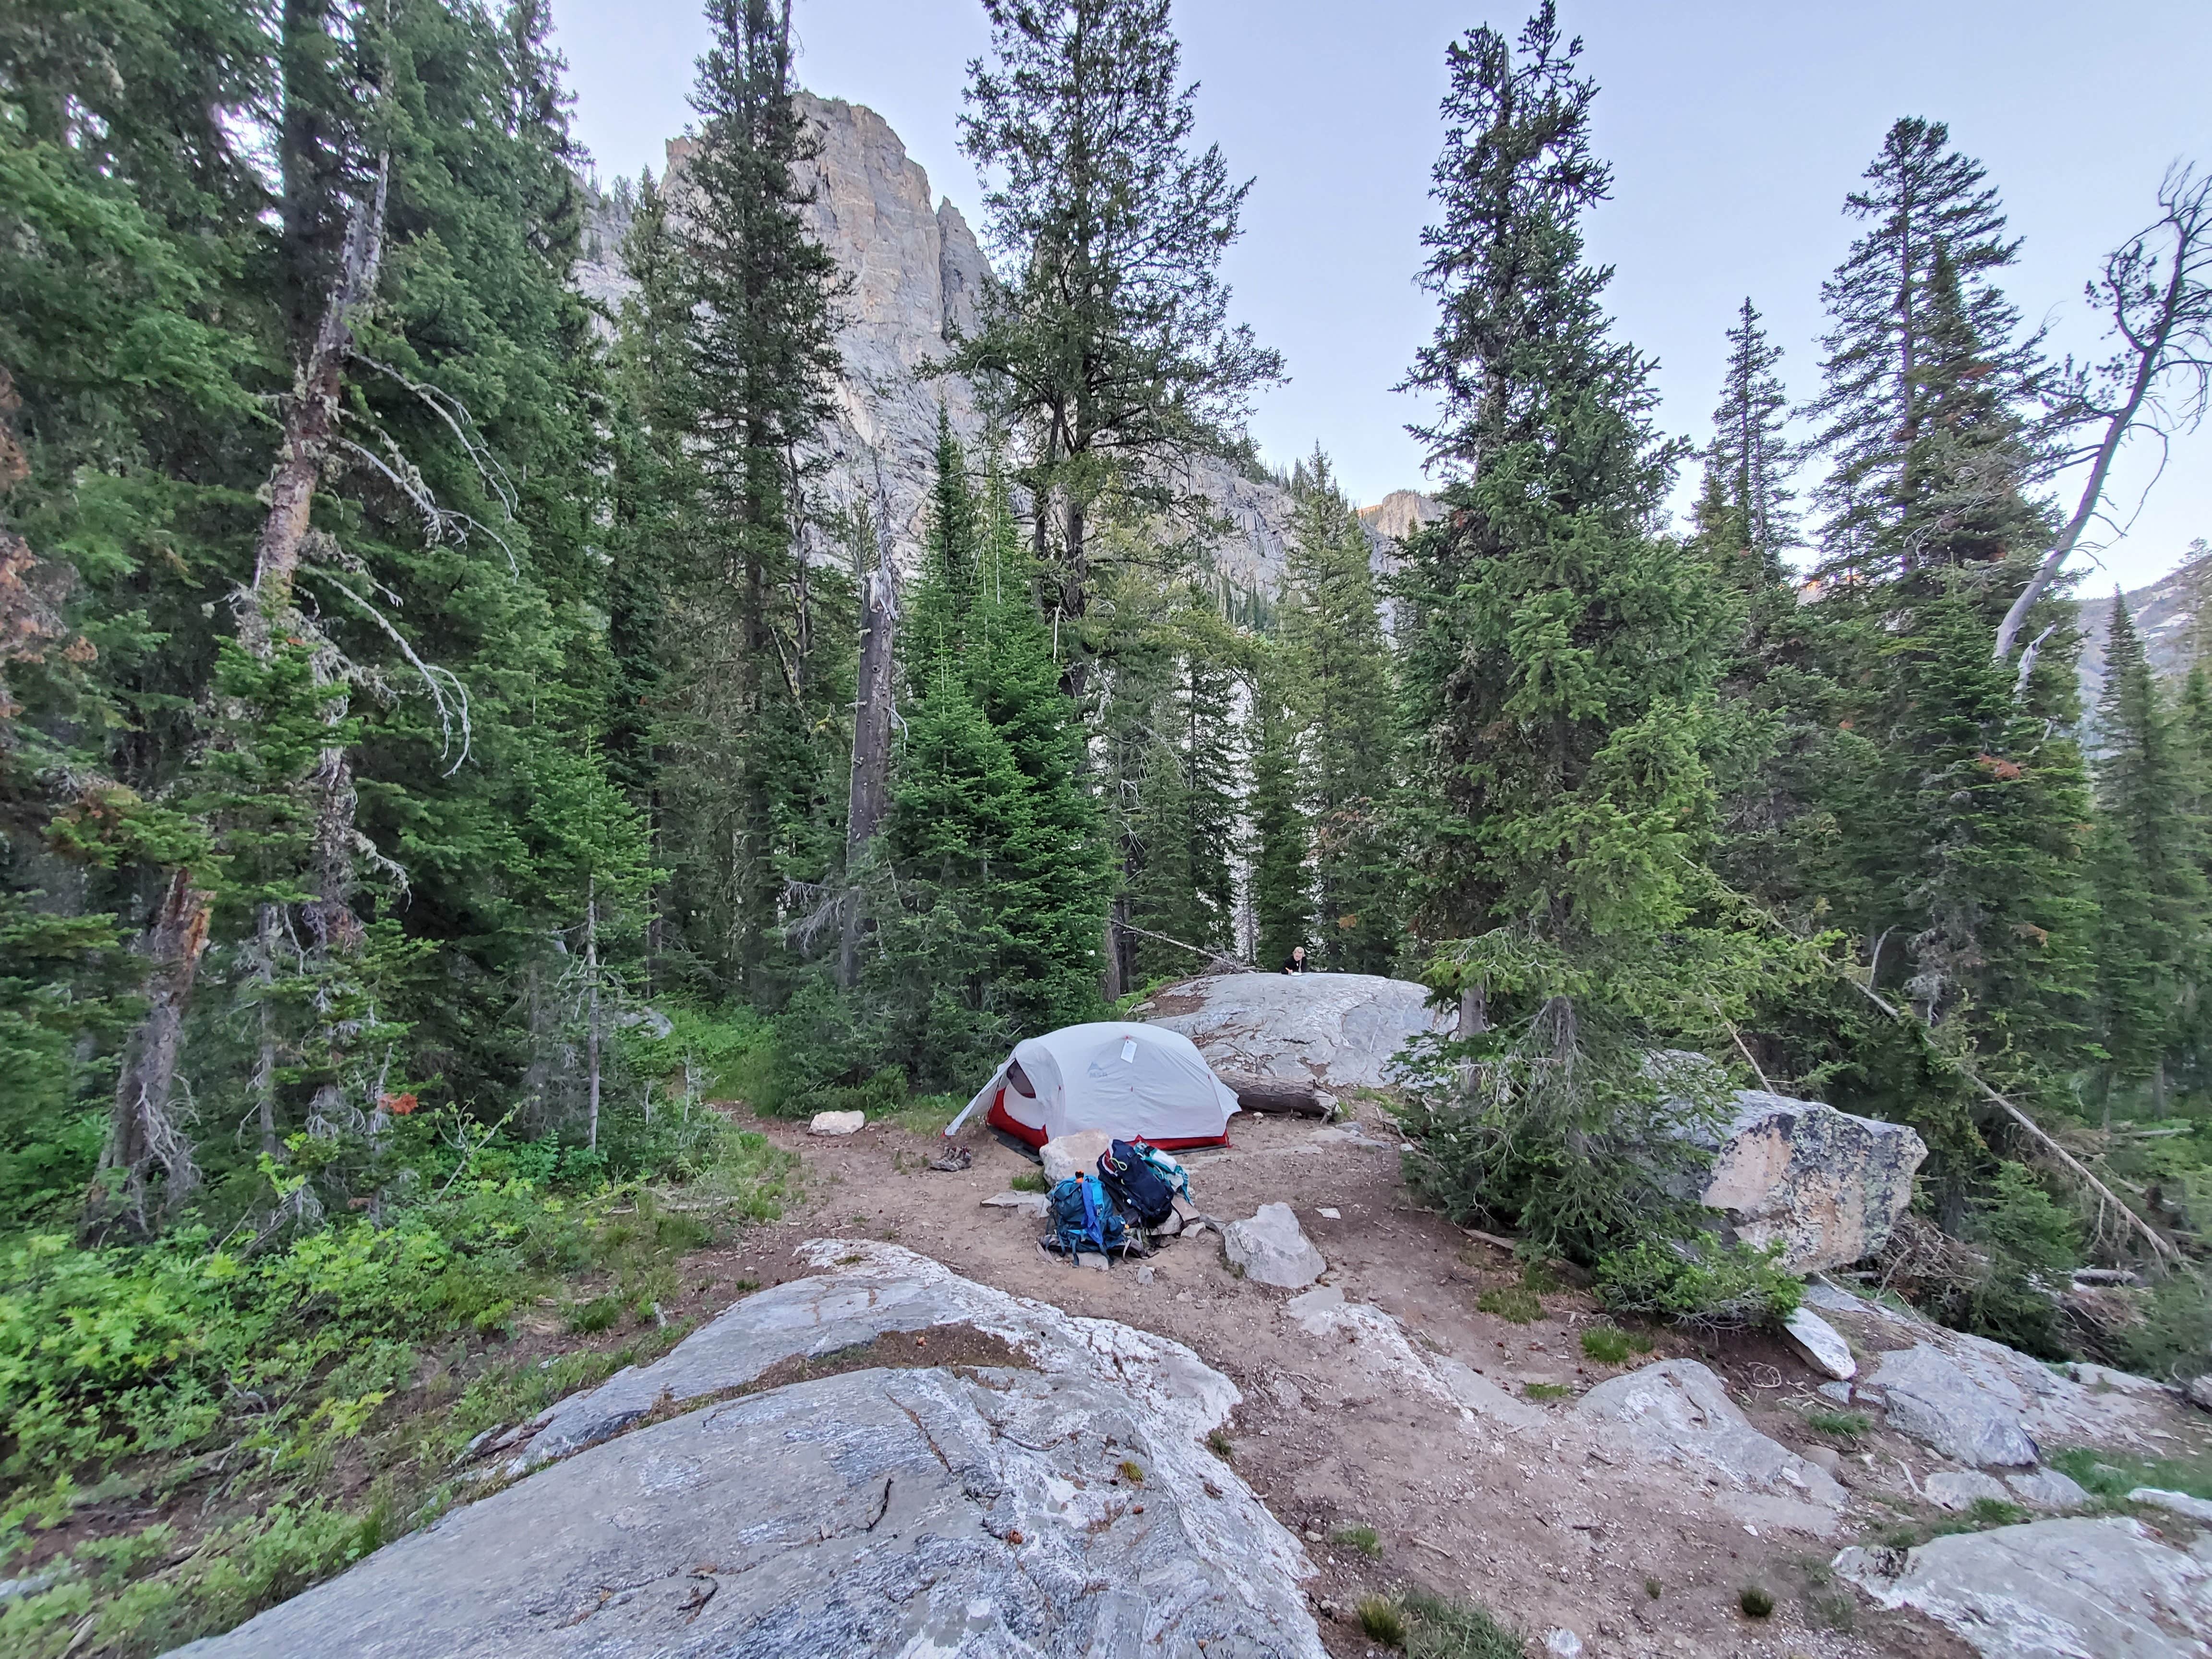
(917, 275)
(2165, 614)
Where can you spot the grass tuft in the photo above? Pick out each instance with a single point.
(1365, 1540)
(1132, 1473)
(1839, 1426)
(1546, 1390)
(1217, 1442)
(1609, 1345)
(1756, 1600)
(1030, 1181)
(1456, 1630)
(1651, 1588)
(1516, 1303)
(1383, 1621)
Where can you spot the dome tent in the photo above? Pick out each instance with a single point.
(1135, 1082)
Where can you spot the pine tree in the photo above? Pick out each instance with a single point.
(2148, 865)
(1341, 679)
(1109, 350)
(745, 784)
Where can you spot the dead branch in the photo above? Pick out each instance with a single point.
(2161, 306)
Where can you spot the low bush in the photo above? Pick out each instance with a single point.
(1705, 1282)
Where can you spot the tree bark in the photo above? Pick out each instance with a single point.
(1282, 1096)
(868, 796)
(143, 1130)
(591, 1019)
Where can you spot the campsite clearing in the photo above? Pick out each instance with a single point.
(1527, 1521)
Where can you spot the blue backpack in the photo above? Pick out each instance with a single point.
(1084, 1219)
(1132, 1177)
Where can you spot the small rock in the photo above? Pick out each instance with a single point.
(1035, 1203)
(1563, 1644)
(2174, 1503)
(837, 1123)
(1193, 1229)
(1312, 1537)
(1273, 1249)
(14, 1589)
(1328, 1215)
(1838, 1392)
(2047, 1489)
(2197, 1391)
(1145, 1274)
(1091, 1259)
(1956, 1491)
(1074, 1154)
(1824, 1457)
(1287, 1393)
(1821, 1345)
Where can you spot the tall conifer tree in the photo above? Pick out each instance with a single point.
(744, 775)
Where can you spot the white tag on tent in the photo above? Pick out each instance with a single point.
(1128, 1049)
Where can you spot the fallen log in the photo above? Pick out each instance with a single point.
(1283, 1095)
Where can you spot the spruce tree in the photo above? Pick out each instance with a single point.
(1341, 682)
(1281, 887)
(1747, 500)
(1559, 664)
(748, 788)
(1108, 350)
(1920, 196)
(989, 930)
(2147, 860)
(1559, 657)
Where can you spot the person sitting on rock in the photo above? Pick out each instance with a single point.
(1295, 961)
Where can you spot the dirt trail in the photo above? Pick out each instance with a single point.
(1543, 1524)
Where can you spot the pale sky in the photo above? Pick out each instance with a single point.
(1734, 129)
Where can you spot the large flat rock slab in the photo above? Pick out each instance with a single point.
(871, 1288)
(1677, 1411)
(1338, 1031)
(2052, 1590)
(2049, 1407)
(980, 1512)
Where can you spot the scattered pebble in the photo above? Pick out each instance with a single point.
(1333, 1215)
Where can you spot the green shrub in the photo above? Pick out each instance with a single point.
(1546, 1390)
(1030, 1181)
(1705, 1283)
(1756, 1600)
(1365, 1540)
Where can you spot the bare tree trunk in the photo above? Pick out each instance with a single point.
(143, 1130)
(1075, 601)
(264, 1064)
(591, 1019)
(867, 800)
(2165, 320)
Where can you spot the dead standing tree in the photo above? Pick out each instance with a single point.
(2157, 291)
(869, 791)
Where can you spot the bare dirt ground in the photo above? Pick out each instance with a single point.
(1543, 1524)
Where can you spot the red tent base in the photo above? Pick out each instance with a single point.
(1000, 1118)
